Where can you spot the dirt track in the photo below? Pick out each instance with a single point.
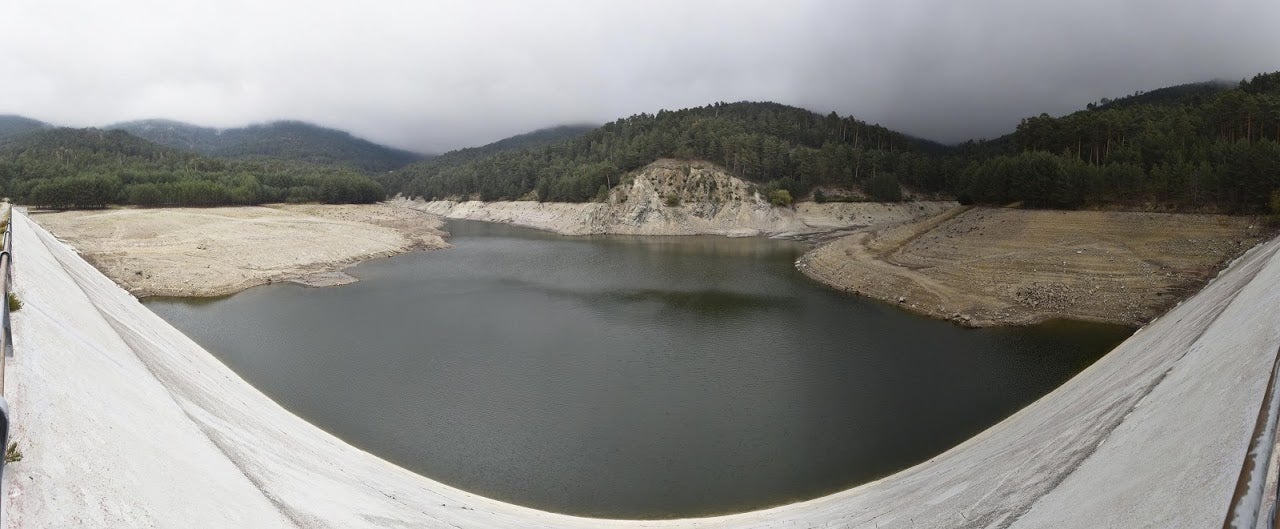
(986, 266)
(219, 251)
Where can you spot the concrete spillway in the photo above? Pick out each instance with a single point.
(125, 422)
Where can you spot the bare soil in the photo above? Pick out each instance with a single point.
(220, 251)
(993, 266)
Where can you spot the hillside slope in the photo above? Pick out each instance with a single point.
(773, 145)
(283, 140)
(398, 181)
(91, 168)
(12, 126)
(1200, 147)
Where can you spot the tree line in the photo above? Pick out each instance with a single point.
(1190, 150)
(85, 168)
(776, 146)
(1202, 146)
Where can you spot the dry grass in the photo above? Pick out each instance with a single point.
(989, 266)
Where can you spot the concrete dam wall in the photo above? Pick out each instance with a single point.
(125, 422)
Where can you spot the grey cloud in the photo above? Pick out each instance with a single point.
(431, 76)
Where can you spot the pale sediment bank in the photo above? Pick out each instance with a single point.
(733, 220)
(677, 197)
(974, 266)
(219, 251)
(125, 422)
(994, 266)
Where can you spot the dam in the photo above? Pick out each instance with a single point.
(127, 422)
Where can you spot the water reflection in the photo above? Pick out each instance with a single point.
(628, 376)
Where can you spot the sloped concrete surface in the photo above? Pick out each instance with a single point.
(125, 422)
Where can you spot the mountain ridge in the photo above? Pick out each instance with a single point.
(281, 139)
(89, 168)
(1205, 146)
(13, 125)
(777, 146)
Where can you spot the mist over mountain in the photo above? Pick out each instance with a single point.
(431, 77)
(1206, 146)
(11, 126)
(286, 140)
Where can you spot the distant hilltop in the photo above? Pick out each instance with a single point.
(1201, 147)
(287, 140)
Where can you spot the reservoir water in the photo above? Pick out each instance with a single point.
(625, 376)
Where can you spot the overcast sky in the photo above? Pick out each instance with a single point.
(435, 75)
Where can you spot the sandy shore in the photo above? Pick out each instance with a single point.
(220, 251)
(986, 266)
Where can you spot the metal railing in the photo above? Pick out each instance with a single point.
(1253, 506)
(6, 335)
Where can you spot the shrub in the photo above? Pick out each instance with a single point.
(780, 197)
(884, 188)
(12, 454)
(15, 304)
(673, 201)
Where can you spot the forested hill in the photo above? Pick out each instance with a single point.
(1183, 94)
(281, 140)
(91, 168)
(773, 145)
(11, 126)
(399, 180)
(1194, 147)
(536, 138)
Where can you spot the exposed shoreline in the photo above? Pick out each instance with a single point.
(977, 267)
(214, 252)
(185, 252)
(806, 219)
(985, 267)
(683, 197)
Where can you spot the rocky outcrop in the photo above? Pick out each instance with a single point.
(674, 197)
